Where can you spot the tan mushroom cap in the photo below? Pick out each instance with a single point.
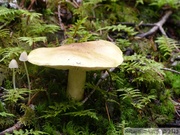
(91, 55)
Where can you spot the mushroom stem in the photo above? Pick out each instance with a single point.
(13, 78)
(76, 82)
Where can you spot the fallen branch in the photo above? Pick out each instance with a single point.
(10, 130)
(171, 70)
(157, 26)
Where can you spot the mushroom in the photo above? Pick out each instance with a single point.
(13, 64)
(78, 58)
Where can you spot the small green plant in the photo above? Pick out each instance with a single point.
(139, 2)
(71, 128)
(124, 42)
(86, 9)
(121, 28)
(62, 109)
(7, 119)
(4, 114)
(29, 117)
(143, 70)
(28, 27)
(7, 54)
(13, 95)
(32, 40)
(160, 3)
(27, 132)
(78, 33)
(138, 100)
(167, 46)
(113, 129)
(173, 80)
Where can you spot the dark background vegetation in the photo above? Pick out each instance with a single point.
(142, 92)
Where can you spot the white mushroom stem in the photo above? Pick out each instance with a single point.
(76, 82)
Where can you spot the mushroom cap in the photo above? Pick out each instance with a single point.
(23, 57)
(13, 64)
(91, 55)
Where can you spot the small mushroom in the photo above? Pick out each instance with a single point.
(23, 56)
(78, 58)
(12, 65)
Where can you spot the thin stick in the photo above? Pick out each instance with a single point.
(134, 24)
(177, 112)
(30, 6)
(107, 111)
(73, 3)
(105, 75)
(171, 70)
(157, 26)
(17, 126)
(174, 102)
(59, 17)
(32, 97)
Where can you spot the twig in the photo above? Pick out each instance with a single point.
(134, 24)
(59, 17)
(177, 112)
(31, 98)
(32, 2)
(105, 75)
(157, 26)
(107, 111)
(17, 126)
(174, 102)
(109, 38)
(171, 70)
(77, 5)
(22, 3)
(73, 3)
